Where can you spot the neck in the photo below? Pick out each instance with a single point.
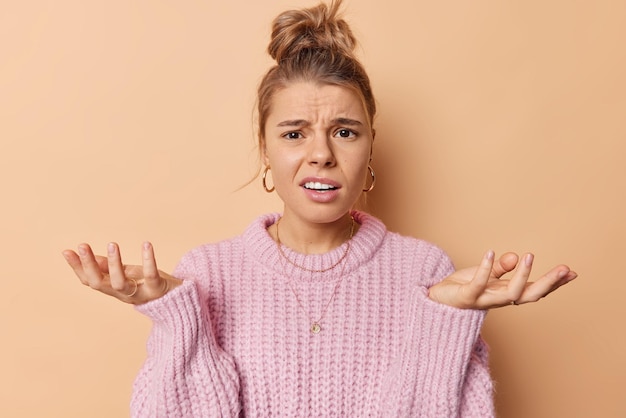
(310, 237)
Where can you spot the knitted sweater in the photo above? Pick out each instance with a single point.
(234, 340)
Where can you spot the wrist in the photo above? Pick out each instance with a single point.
(170, 283)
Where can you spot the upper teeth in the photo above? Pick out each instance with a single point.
(317, 185)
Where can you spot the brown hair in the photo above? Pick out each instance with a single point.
(313, 45)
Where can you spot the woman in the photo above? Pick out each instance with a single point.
(319, 311)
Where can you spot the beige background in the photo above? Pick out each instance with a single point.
(502, 125)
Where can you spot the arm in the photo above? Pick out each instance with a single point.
(186, 374)
(437, 373)
(477, 390)
(484, 287)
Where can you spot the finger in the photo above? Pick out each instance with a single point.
(481, 277)
(571, 275)
(565, 278)
(150, 271)
(517, 284)
(547, 284)
(72, 259)
(91, 269)
(103, 263)
(505, 263)
(74, 262)
(116, 268)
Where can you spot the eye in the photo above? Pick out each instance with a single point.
(292, 135)
(345, 133)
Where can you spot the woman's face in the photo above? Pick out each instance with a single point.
(318, 144)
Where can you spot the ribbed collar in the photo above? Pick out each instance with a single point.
(363, 245)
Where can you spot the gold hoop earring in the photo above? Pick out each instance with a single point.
(369, 167)
(267, 168)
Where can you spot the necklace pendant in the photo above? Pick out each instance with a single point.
(315, 328)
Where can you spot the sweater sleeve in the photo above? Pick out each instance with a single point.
(442, 369)
(477, 392)
(186, 373)
(430, 376)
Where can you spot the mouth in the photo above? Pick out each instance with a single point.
(318, 186)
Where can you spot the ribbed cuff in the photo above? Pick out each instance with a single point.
(437, 348)
(187, 373)
(169, 308)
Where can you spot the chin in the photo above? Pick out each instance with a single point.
(324, 215)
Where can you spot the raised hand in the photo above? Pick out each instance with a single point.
(128, 283)
(485, 287)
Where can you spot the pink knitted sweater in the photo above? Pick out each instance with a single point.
(234, 341)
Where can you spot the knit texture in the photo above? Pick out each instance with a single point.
(233, 340)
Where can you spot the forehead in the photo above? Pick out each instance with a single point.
(313, 101)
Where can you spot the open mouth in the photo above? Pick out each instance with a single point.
(320, 187)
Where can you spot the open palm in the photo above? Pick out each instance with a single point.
(485, 286)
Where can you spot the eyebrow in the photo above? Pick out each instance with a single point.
(338, 121)
(296, 123)
(347, 121)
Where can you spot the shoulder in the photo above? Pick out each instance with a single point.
(201, 260)
(417, 257)
(375, 228)
(416, 246)
(422, 255)
(215, 256)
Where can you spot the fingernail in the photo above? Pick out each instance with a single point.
(146, 246)
(529, 259)
(562, 274)
(82, 250)
(490, 255)
(111, 248)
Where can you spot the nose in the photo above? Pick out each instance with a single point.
(321, 152)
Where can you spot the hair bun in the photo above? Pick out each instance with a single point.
(316, 29)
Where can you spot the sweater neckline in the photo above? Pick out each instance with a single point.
(362, 247)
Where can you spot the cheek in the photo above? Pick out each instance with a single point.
(284, 167)
(356, 175)
(358, 163)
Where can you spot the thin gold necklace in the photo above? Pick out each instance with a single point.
(316, 324)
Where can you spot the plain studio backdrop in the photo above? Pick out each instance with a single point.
(502, 125)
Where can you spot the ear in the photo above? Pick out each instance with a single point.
(265, 158)
(263, 151)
